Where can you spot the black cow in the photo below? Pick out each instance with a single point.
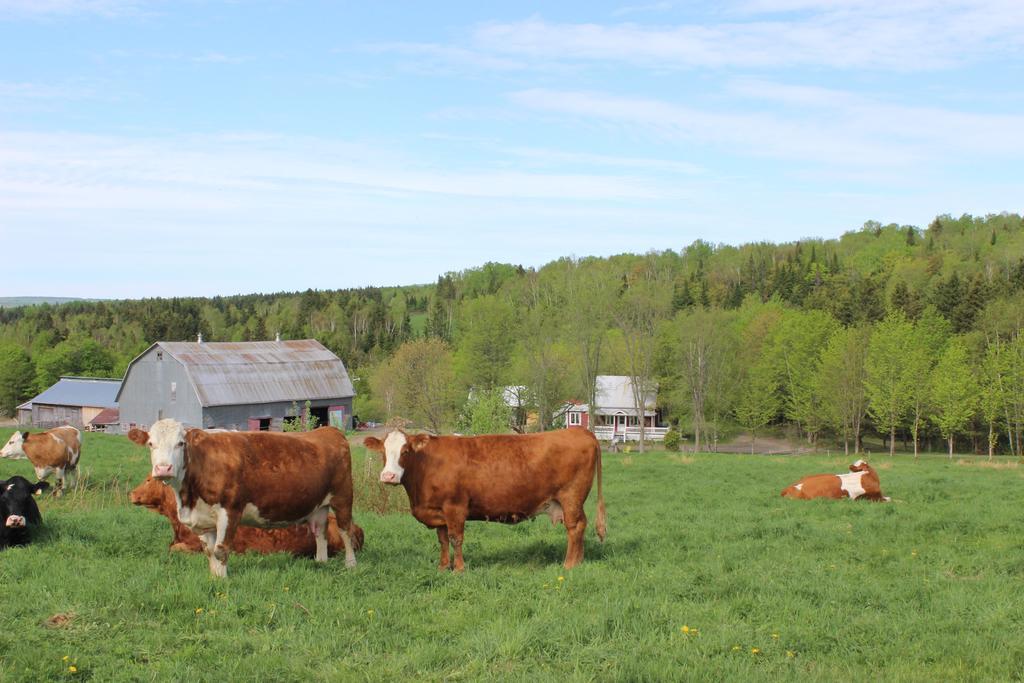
(18, 510)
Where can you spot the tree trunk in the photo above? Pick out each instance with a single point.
(991, 439)
(892, 441)
(950, 446)
(917, 426)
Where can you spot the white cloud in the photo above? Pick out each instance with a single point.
(42, 8)
(844, 34)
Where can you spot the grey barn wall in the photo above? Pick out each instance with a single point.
(48, 416)
(146, 392)
(237, 416)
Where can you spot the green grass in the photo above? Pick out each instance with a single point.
(925, 588)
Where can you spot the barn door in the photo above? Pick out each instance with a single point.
(254, 424)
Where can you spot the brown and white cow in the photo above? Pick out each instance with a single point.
(860, 482)
(53, 452)
(497, 478)
(297, 540)
(265, 479)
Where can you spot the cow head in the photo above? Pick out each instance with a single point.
(18, 510)
(166, 443)
(860, 466)
(397, 447)
(149, 493)
(15, 447)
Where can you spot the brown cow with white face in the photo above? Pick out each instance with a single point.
(861, 483)
(499, 478)
(297, 540)
(265, 479)
(53, 452)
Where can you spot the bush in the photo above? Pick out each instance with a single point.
(485, 412)
(672, 439)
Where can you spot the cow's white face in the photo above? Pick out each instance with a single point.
(392, 473)
(859, 466)
(167, 449)
(15, 447)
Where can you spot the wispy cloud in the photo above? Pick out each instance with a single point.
(842, 34)
(44, 8)
(436, 57)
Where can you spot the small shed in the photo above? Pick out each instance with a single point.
(235, 385)
(109, 420)
(72, 400)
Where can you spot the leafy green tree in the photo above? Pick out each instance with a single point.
(758, 402)
(485, 412)
(889, 380)
(931, 332)
(421, 383)
(954, 392)
(301, 420)
(78, 355)
(485, 337)
(16, 377)
(840, 383)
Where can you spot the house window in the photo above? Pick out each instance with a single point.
(174, 391)
(574, 419)
(634, 421)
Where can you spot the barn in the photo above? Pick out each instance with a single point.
(71, 401)
(235, 385)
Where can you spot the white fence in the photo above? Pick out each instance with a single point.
(609, 433)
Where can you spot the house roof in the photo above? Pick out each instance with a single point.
(615, 395)
(96, 392)
(238, 373)
(107, 416)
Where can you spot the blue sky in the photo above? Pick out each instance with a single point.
(204, 147)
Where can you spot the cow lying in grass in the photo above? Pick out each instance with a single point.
(53, 452)
(861, 483)
(19, 513)
(297, 540)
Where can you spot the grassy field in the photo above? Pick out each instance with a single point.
(707, 574)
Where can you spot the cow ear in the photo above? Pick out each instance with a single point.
(138, 436)
(374, 444)
(194, 437)
(418, 441)
(40, 486)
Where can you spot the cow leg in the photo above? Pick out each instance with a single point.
(227, 523)
(60, 481)
(455, 519)
(318, 525)
(575, 524)
(343, 516)
(442, 539)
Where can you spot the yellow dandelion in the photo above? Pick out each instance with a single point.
(286, 589)
(790, 653)
(561, 578)
(685, 629)
(775, 636)
(199, 610)
(370, 612)
(65, 658)
(73, 669)
(735, 648)
(755, 650)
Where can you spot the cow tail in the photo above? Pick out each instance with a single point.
(602, 529)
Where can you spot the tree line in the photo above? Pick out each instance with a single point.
(902, 333)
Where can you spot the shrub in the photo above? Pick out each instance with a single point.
(672, 439)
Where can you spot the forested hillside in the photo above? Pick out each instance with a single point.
(889, 330)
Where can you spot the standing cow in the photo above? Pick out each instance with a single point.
(499, 478)
(297, 540)
(861, 482)
(53, 452)
(265, 479)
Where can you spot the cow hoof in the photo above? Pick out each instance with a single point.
(350, 563)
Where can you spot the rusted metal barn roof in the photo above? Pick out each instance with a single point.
(237, 373)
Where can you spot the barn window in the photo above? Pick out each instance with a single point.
(174, 391)
(159, 355)
(574, 419)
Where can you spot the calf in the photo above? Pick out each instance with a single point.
(54, 451)
(861, 482)
(265, 479)
(296, 540)
(18, 510)
(500, 478)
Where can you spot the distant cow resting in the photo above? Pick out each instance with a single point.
(265, 479)
(297, 540)
(498, 478)
(56, 451)
(861, 482)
